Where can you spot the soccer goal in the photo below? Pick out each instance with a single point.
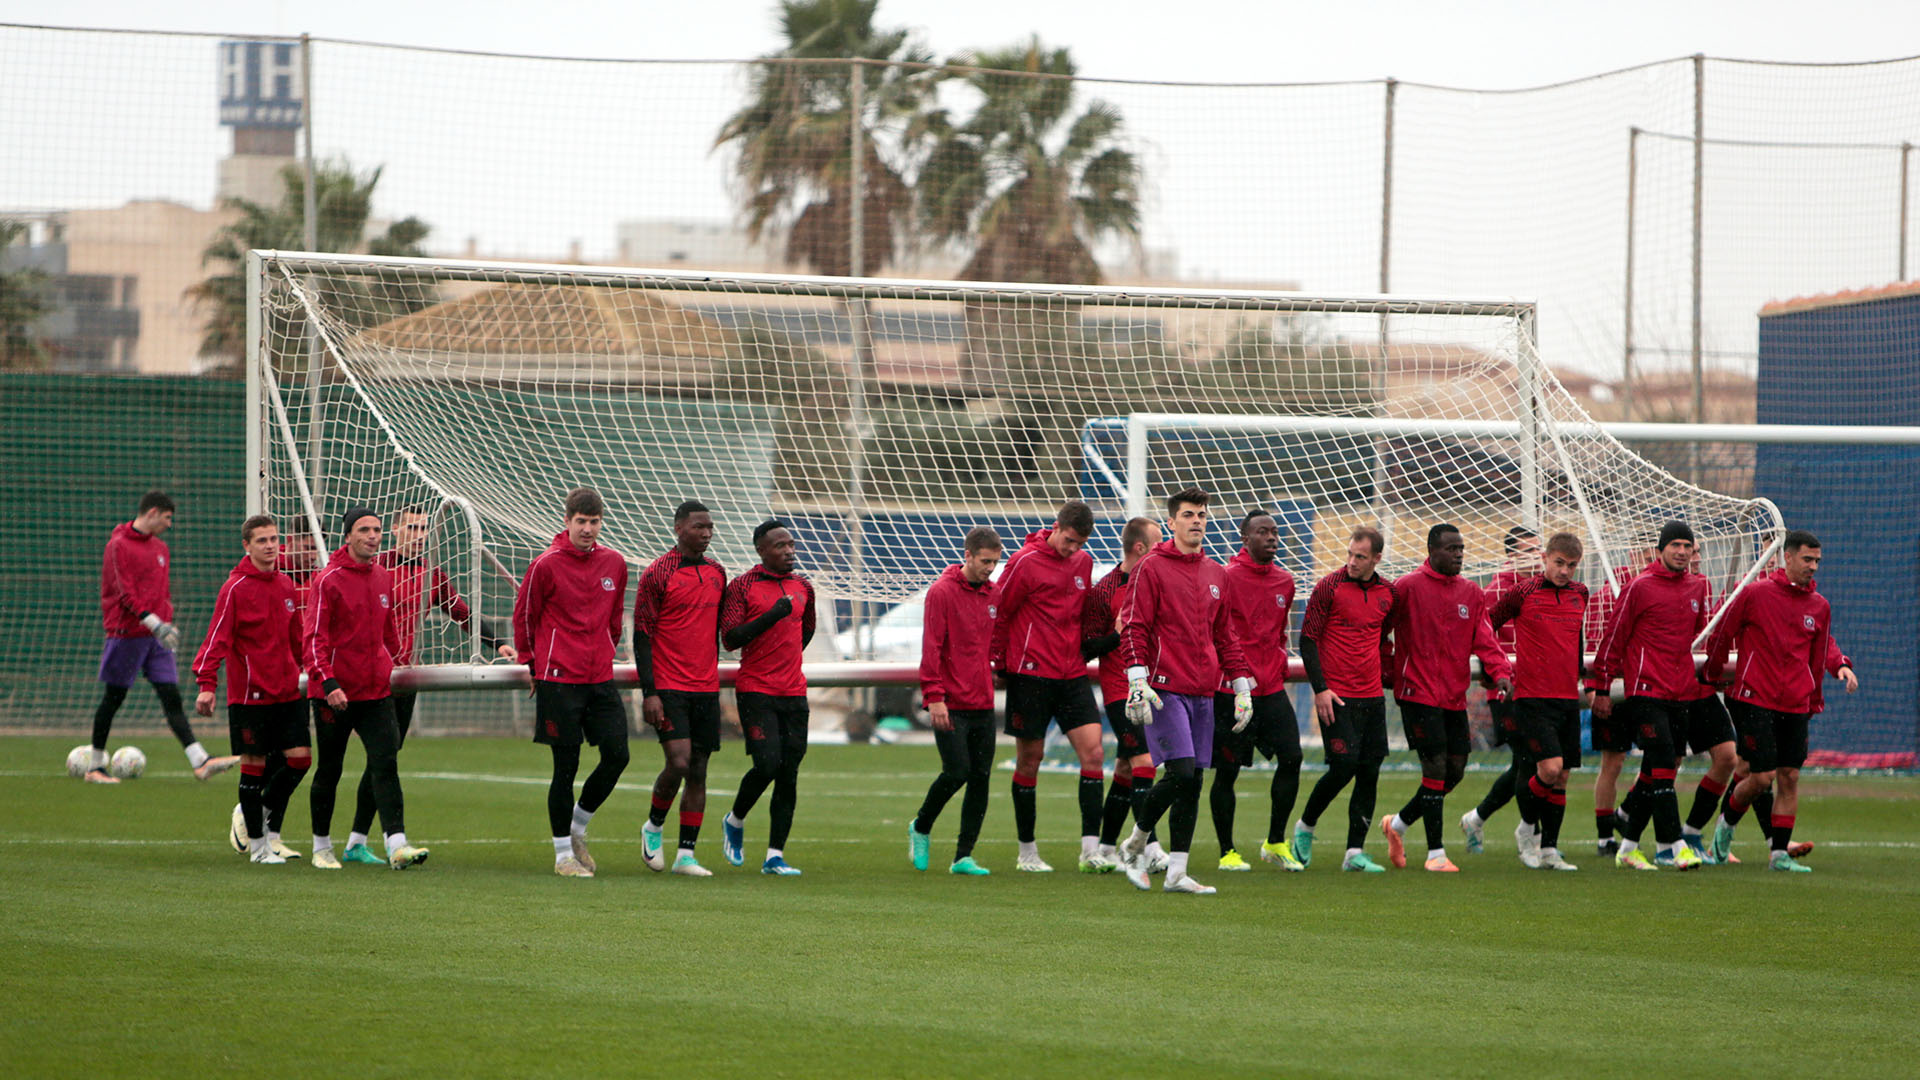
(882, 419)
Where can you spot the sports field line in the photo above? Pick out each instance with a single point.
(100, 841)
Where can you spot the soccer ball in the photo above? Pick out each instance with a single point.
(79, 760)
(128, 763)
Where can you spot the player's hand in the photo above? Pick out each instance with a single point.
(203, 704)
(1602, 705)
(1141, 701)
(1847, 676)
(507, 654)
(1242, 710)
(1119, 622)
(781, 608)
(167, 634)
(337, 700)
(1323, 703)
(942, 720)
(1586, 699)
(1503, 689)
(653, 711)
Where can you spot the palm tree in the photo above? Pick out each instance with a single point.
(343, 201)
(22, 303)
(1031, 185)
(793, 139)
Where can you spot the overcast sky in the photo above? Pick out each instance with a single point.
(1483, 45)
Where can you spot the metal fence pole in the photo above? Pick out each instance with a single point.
(862, 347)
(1382, 509)
(1699, 209)
(1626, 337)
(316, 364)
(1906, 153)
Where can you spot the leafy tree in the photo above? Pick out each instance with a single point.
(794, 164)
(22, 303)
(343, 204)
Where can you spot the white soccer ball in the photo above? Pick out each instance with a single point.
(128, 763)
(79, 760)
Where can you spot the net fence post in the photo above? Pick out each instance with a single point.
(862, 345)
(1382, 508)
(310, 233)
(256, 466)
(1626, 336)
(1699, 412)
(1906, 154)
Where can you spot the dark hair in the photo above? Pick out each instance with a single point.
(1192, 496)
(1799, 538)
(254, 524)
(1254, 513)
(982, 538)
(1135, 532)
(1434, 534)
(1371, 535)
(585, 501)
(419, 509)
(766, 527)
(156, 500)
(1517, 534)
(1566, 544)
(687, 509)
(1075, 516)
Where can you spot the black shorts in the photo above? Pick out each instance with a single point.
(564, 714)
(1032, 701)
(259, 730)
(1708, 725)
(1125, 734)
(775, 727)
(1614, 734)
(692, 715)
(1505, 726)
(1655, 724)
(1433, 730)
(1273, 731)
(1770, 739)
(1358, 734)
(1547, 728)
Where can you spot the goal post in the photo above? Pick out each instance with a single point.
(883, 418)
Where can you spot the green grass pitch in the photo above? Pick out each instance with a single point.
(135, 943)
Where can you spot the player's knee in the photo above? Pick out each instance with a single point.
(1552, 773)
(615, 756)
(1342, 767)
(1456, 771)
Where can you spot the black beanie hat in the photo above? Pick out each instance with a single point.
(1674, 530)
(347, 520)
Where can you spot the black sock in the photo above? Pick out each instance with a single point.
(281, 784)
(252, 792)
(1221, 801)
(1339, 772)
(1552, 816)
(363, 802)
(1603, 822)
(566, 765)
(1527, 800)
(1706, 799)
(1664, 803)
(943, 788)
(1142, 789)
(1416, 806)
(1023, 807)
(176, 714)
(752, 786)
(1160, 798)
(1638, 810)
(1763, 812)
(1504, 790)
(599, 783)
(690, 827)
(1434, 812)
(1185, 812)
(1092, 784)
(1283, 791)
(1113, 815)
(1366, 789)
(786, 798)
(1780, 834)
(110, 700)
(973, 811)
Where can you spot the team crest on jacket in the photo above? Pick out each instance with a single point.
(1464, 613)
(1215, 590)
(993, 611)
(1079, 582)
(383, 600)
(1280, 598)
(161, 559)
(289, 603)
(606, 583)
(1696, 604)
(1806, 621)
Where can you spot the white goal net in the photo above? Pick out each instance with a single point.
(882, 419)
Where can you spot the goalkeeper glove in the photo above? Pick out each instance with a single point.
(165, 633)
(1141, 700)
(1242, 704)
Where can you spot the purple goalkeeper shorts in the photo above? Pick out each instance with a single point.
(125, 658)
(1182, 727)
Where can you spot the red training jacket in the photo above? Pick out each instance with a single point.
(133, 579)
(1544, 621)
(1649, 638)
(566, 616)
(351, 637)
(1348, 621)
(1785, 637)
(677, 604)
(1041, 599)
(1505, 580)
(1178, 626)
(955, 635)
(1106, 599)
(770, 663)
(1259, 599)
(1439, 623)
(256, 625)
(417, 583)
